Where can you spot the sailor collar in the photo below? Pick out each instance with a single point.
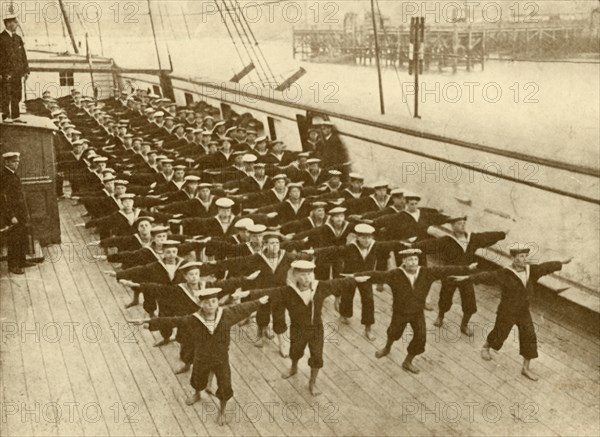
(278, 157)
(130, 220)
(269, 261)
(188, 292)
(410, 214)
(353, 194)
(341, 231)
(297, 207)
(463, 244)
(364, 253)
(139, 239)
(518, 274)
(169, 272)
(381, 205)
(226, 226)
(206, 204)
(210, 326)
(409, 275)
(306, 296)
(252, 250)
(178, 184)
(168, 178)
(315, 176)
(281, 198)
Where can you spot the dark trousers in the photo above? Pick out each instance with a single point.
(467, 297)
(503, 326)
(263, 317)
(10, 96)
(366, 298)
(417, 323)
(16, 244)
(314, 337)
(222, 371)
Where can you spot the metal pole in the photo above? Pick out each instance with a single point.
(418, 26)
(382, 106)
(154, 35)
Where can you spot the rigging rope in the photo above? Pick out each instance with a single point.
(256, 42)
(395, 68)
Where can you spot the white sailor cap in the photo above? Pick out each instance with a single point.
(127, 196)
(207, 293)
(149, 110)
(108, 178)
(224, 202)
(158, 114)
(335, 173)
(192, 265)
(11, 155)
(100, 159)
(303, 265)
(279, 176)
(121, 182)
(357, 176)
(410, 252)
(191, 178)
(261, 139)
(79, 142)
(397, 192)
(243, 223)
(412, 196)
(249, 158)
(10, 16)
(363, 228)
(256, 229)
(160, 229)
(313, 161)
(337, 210)
(380, 184)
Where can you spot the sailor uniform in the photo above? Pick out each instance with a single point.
(211, 344)
(409, 293)
(461, 252)
(517, 289)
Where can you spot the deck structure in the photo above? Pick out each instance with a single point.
(72, 366)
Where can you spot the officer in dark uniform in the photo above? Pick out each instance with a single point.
(13, 68)
(14, 213)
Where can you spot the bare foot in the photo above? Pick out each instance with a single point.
(193, 399)
(260, 343)
(485, 354)
(429, 307)
(345, 320)
(221, 420)
(382, 353)
(465, 329)
(410, 367)
(314, 390)
(529, 374)
(162, 342)
(182, 369)
(369, 335)
(282, 351)
(289, 373)
(336, 304)
(268, 333)
(209, 391)
(439, 322)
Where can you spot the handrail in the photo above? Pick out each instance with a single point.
(578, 169)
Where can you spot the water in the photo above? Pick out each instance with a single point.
(545, 109)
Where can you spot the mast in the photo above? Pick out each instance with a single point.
(154, 35)
(382, 106)
(68, 25)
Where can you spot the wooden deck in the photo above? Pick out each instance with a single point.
(71, 366)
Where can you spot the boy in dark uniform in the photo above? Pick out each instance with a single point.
(410, 285)
(517, 283)
(209, 329)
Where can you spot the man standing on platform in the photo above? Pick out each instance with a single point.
(13, 68)
(14, 213)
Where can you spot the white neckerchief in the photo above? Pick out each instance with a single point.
(131, 217)
(273, 264)
(381, 206)
(280, 198)
(226, 155)
(188, 292)
(463, 244)
(296, 208)
(523, 276)
(412, 278)
(212, 325)
(307, 296)
(278, 157)
(364, 253)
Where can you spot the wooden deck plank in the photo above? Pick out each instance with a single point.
(372, 395)
(14, 384)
